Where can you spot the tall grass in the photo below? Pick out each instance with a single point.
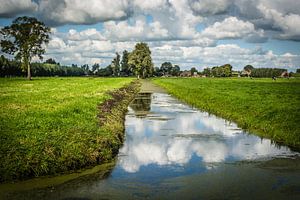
(268, 108)
(50, 125)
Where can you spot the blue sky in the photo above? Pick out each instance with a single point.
(190, 33)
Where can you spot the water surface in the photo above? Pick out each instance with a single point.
(173, 151)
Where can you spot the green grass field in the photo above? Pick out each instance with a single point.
(268, 108)
(50, 125)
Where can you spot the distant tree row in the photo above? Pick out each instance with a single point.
(167, 69)
(117, 67)
(10, 67)
(249, 70)
(48, 68)
(218, 71)
(136, 63)
(267, 72)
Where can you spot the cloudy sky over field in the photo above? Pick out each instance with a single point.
(191, 33)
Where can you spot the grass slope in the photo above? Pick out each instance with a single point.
(50, 125)
(268, 108)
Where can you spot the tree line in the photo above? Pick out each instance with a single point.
(120, 67)
(48, 68)
(218, 71)
(267, 72)
(251, 71)
(248, 70)
(136, 63)
(167, 69)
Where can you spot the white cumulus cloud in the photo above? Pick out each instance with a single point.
(140, 30)
(83, 12)
(153, 4)
(231, 28)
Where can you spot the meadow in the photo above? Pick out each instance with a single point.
(50, 125)
(265, 107)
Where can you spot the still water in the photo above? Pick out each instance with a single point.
(173, 151)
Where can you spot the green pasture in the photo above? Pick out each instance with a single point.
(49, 125)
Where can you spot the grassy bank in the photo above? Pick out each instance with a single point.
(52, 125)
(268, 108)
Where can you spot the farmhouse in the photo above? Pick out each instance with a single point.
(185, 73)
(284, 74)
(246, 73)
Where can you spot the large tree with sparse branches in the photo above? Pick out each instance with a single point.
(24, 39)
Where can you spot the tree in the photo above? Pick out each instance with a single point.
(107, 71)
(25, 39)
(95, 68)
(193, 71)
(175, 70)
(115, 64)
(248, 68)
(86, 69)
(227, 70)
(157, 71)
(51, 61)
(222, 71)
(4, 66)
(267, 72)
(298, 71)
(9, 67)
(125, 67)
(141, 61)
(207, 71)
(166, 68)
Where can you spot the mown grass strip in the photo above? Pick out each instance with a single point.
(265, 107)
(50, 125)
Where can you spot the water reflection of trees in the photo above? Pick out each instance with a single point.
(141, 104)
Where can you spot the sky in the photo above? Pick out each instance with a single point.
(190, 33)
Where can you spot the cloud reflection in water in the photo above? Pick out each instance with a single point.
(172, 132)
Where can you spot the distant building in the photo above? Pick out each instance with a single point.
(235, 74)
(195, 74)
(285, 74)
(246, 73)
(185, 73)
